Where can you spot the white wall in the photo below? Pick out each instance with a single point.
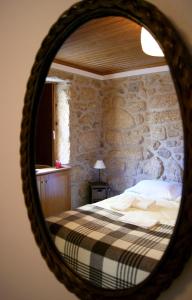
(23, 25)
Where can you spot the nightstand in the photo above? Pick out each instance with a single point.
(99, 191)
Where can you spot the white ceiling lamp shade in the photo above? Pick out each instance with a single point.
(149, 44)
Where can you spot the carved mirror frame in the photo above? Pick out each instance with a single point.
(180, 64)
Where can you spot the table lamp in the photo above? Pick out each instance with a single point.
(99, 165)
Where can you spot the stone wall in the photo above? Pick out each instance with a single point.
(142, 134)
(85, 135)
(83, 96)
(132, 123)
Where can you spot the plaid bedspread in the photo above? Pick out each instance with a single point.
(109, 253)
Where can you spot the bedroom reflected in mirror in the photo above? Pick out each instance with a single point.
(106, 100)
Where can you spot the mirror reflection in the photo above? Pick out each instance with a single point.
(109, 154)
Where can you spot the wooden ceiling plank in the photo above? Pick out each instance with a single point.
(110, 44)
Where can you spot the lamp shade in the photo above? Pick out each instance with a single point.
(149, 44)
(99, 164)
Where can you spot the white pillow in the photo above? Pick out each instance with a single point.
(158, 189)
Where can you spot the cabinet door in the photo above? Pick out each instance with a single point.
(57, 192)
(38, 181)
(41, 181)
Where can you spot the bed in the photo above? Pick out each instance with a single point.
(116, 243)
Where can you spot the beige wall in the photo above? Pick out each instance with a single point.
(23, 25)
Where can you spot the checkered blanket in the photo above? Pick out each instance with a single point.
(107, 252)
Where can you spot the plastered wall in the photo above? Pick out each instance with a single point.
(24, 274)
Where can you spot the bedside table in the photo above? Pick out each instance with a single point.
(99, 191)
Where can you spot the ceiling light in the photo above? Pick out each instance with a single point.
(54, 79)
(149, 44)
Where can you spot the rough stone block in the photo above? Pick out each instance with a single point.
(164, 153)
(88, 93)
(153, 168)
(172, 143)
(163, 116)
(173, 171)
(139, 119)
(147, 154)
(118, 119)
(174, 130)
(136, 106)
(116, 166)
(89, 140)
(179, 150)
(162, 101)
(156, 145)
(77, 172)
(158, 133)
(131, 153)
(121, 138)
(89, 120)
(120, 183)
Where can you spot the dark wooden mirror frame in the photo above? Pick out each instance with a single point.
(180, 64)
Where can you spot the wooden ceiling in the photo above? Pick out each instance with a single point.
(106, 46)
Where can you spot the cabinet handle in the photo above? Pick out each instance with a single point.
(45, 181)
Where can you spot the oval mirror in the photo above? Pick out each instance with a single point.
(103, 160)
(120, 181)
